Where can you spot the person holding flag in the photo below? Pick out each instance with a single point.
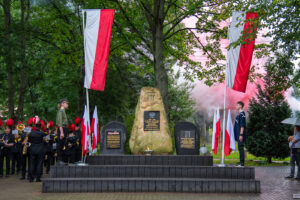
(240, 131)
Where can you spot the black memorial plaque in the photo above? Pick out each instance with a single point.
(187, 139)
(113, 138)
(151, 120)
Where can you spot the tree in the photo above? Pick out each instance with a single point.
(266, 136)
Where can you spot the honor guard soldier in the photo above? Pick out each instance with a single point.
(6, 142)
(62, 131)
(35, 138)
(77, 133)
(17, 149)
(48, 140)
(25, 155)
(70, 145)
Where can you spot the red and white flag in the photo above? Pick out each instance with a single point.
(95, 130)
(85, 132)
(216, 131)
(240, 57)
(97, 32)
(229, 144)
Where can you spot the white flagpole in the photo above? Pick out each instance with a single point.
(224, 120)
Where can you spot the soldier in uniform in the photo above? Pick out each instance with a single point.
(16, 150)
(77, 133)
(62, 131)
(6, 142)
(240, 132)
(25, 155)
(70, 145)
(36, 151)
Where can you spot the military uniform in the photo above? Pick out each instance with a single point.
(70, 151)
(48, 142)
(36, 154)
(25, 158)
(240, 122)
(5, 151)
(61, 121)
(16, 150)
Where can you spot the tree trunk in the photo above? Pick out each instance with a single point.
(160, 72)
(269, 159)
(23, 86)
(8, 60)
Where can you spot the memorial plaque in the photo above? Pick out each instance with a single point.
(113, 138)
(187, 139)
(151, 120)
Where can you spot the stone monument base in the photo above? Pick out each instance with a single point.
(127, 173)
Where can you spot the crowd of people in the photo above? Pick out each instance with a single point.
(28, 149)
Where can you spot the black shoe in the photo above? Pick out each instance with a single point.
(38, 180)
(1, 175)
(22, 178)
(289, 176)
(297, 178)
(31, 180)
(6, 176)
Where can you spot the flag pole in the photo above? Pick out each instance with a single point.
(224, 120)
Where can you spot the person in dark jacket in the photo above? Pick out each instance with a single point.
(35, 138)
(6, 142)
(240, 131)
(48, 141)
(25, 156)
(70, 145)
(77, 133)
(16, 153)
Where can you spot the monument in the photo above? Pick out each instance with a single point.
(150, 128)
(113, 138)
(187, 139)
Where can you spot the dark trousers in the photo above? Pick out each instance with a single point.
(292, 163)
(70, 156)
(78, 155)
(296, 152)
(60, 144)
(48, 161)
(36, 165)
(241, 151)
(15, 162)
(25, 161)
(6, 156)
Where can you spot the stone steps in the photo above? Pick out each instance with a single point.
(150, 160)
(163, 171)
(112, 184)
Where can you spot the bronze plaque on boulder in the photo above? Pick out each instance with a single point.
(151, 120)
(113, 140)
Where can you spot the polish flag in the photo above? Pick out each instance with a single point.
(216, 131)
(240, 57)
(95, 130)
(97, 32)
(85, 133)
(229, 144)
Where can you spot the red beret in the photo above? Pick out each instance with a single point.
(0, 122)
(42, 124)
(51, 124)
(19, 122)
(72, 127)
(9, 122)
(29, 122)
(33, 128)
(78, 120)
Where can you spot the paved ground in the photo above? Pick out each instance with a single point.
(273, 187)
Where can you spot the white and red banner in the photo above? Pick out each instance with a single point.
(240, 57)
(95, 130)
(229, 144)
(97, 33)
(85, 132)
(216, 131)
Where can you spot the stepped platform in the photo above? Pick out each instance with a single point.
(151, 174)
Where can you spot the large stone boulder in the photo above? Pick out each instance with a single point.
(150, 128)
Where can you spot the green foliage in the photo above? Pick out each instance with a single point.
(266, 136)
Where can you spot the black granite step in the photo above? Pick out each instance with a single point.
(111, 184)
(162, 171)
(150, 160)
